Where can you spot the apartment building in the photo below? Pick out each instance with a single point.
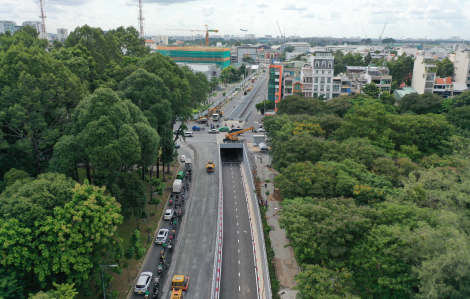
(306, 79)
(322, 65)
(424, 74)
(62, 34)
(462, 67)
(443, 87)
(337, 84)
(243, 52)
(298, 47)
(275, 83)
(292, 83)
(7, 26)
(380, 76)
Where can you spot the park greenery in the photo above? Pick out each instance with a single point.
(375, 194)
(99, 106)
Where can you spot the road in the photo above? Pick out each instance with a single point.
(238, 278)
(195, 239)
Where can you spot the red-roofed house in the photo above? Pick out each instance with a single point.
(150, 43)
(443, 87)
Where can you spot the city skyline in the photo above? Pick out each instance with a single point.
(432, 19)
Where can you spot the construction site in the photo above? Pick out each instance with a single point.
(192, 54)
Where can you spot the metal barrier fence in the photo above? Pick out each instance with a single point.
(219, 241)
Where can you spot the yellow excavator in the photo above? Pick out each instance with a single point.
(179, 286)
(233, 137)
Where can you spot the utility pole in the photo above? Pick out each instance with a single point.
(43, 18)
(141, 19)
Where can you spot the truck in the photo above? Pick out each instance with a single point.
(215, 117)
(177, 185)
(202, 120)
(188, 165)
(196, 128)
(180, 175)
(179, 286)
(210, 166)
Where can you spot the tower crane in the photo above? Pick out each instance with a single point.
(280, 31)
(380, 37)
(207, 32)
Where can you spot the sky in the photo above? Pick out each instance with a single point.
(336, 18)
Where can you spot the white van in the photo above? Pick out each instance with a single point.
(188, 134)
(177, 186)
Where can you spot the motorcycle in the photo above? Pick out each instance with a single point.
(170, 246)
(171, 202)
(160, 269)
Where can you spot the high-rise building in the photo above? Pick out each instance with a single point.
(462, 67)
(322, 65)
(424, 74)
(34, 24)
(275, 83)
(161, 40)
(218, 56)
(7, 26)
(247, 52)
(62, 34)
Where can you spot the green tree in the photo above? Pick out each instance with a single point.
(461, 100)
(296, 104)
(67, 245)
(248, 59)
(64, 291)
(320, 282)
(339, 106)
(35, 199)
(421, 104)
(445, 68)
(460, 117)
(14, 175)
(339, 66)
(38, 92)
(11, 285)
(28, 37)
(269, 105)
(387, 98)
(198, 85)
(130, 40)
(134, 250)
(372, 90)
(368, 58)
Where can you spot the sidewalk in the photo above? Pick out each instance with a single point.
(284, 262)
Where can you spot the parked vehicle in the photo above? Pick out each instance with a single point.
(177, 186)
(188, 134)
(143, 282)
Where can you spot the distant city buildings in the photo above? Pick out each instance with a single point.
(7, 26)
(62, 34)
(161, 40)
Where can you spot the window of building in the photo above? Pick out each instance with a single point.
(297, 87)
(328, 88)
(322, 80)
(322, 87)
(317, 64)
(329, 72)
(468, 78)
(316, 72)
(315, 87)
(316, 79)
(323, 64)
(322, 72)
(328, 80)
(330, 64)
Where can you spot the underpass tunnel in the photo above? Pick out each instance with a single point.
(231, 155)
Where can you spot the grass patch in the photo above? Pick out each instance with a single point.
(275, 284)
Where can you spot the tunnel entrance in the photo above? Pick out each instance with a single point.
(231, 155)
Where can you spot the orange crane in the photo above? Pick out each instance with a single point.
(207, 32)
(233, 137)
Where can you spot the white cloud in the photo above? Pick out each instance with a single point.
(308, 15)
(261, 4)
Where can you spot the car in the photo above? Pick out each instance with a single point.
(177, 145)
(188, 134)
(161, 236)
(168, 214)
(143, 283)
(183, 158)
(261, 130)
(213, 131)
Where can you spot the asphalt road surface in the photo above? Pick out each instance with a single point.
(238, 278)
(193, 252)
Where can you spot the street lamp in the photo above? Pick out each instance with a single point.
(102, 276)
(148, 220)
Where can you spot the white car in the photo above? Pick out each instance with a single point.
(261, 130)
(168, 214)
(161, 236)
(213, 131)
(143, 283)
(183, 158)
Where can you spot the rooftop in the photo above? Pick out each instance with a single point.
(399, 94)
(443, 81)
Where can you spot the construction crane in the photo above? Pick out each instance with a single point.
(233, 137)
(380, 37)
(207, 32)
(279, 31)
(43, 18)
(364, 32)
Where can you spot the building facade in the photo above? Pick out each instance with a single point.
(298, 47)
(275, 84)
(35, 24)
(380, 76)
(443, 87)
(243, 52)
(210, 70)
(209, 55)
(424, 74)
(62, 34)
(322, 65)
(7, 26)
(161, 40)
(462, 67)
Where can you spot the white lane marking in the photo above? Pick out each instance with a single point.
(239, 262)
(239, 288)
(238, 232)
(235, 202)
(238, 250)
(238, 274)
(237, 223)
(238, 241)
